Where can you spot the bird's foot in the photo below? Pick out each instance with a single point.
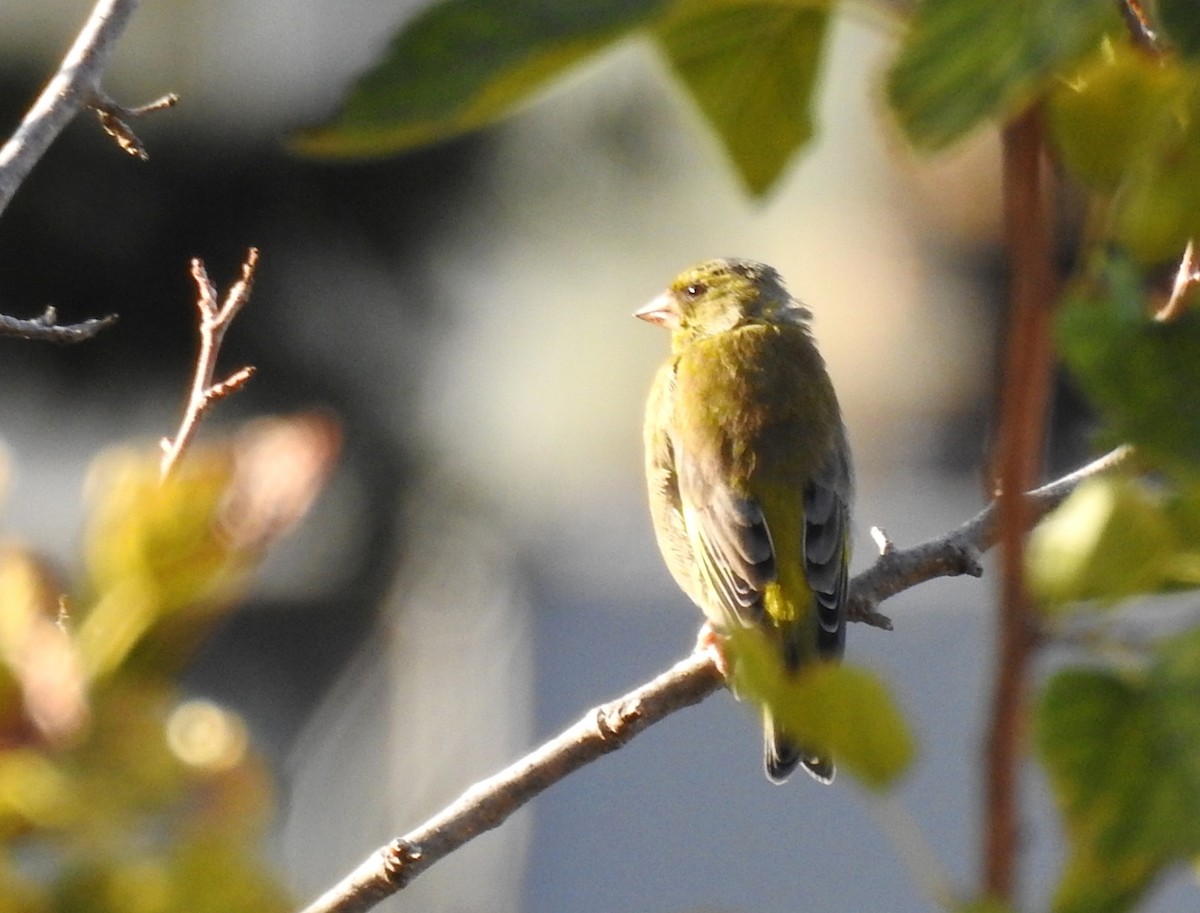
(712, 642)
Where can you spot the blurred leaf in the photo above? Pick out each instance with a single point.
(964, 61)
(1109, 540)
(1180, 19)
(181, 550)
(124, 772)
(1143, 375)
(752, 69)
(214, 875)
(462, 64)
(37, 650)
(839, 709)
(34, 793)
(108, 884)
(1158, 210)
(1123, 756)
(18, 894)
(195, 876)
(155, 806)
(984, 905)
(281, 465)
(162, 536)
(1117, 110)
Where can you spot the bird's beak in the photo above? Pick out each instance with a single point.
(662, 311)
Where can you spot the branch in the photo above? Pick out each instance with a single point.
(214, 321)
(1186, 277)
(603, 729)
(488, 803)
(1138, 23)
(1024, 397)
(46, 328)
(114, 119)
(74, 86)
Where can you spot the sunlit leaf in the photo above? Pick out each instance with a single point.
(1119, 109)
(34, 793)
(837, 709)
(211, 874)
(183, 548)
(462, 64)
(965, 61)
(1158, 209)
(1123, 755)
(1109, 540)
(752, 69)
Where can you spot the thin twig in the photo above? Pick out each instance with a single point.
(603, 729)
(75, 83)
(1186, 276)
(1138, 24)
(114, 118)
(46, 328)
(958, 552)
(214, 321)
(1025, 394)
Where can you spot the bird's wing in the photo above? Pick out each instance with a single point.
(730, 540)
(826, 557)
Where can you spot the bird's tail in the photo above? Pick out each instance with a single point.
(781, 756)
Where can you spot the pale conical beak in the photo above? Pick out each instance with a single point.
(662, 311)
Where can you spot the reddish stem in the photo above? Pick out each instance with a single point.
(1024, 397)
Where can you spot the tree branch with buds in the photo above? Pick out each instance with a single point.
(214, 322)
(75, 86)
(46, 328)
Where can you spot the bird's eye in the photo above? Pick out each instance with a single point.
(695, 290)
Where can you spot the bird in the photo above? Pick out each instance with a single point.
(749, 475)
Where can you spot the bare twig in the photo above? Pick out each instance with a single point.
(1186, 276)
(959, 551)
(603, 729)
(488, 803)
(1138, 24)
(114, 119)
(46, 328)
(72, 87)
(214, 321)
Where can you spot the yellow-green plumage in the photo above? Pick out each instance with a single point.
(749, 471)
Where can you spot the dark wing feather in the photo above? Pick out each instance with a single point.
(826, 560)
(731, 542)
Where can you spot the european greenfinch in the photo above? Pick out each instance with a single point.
(750, 479)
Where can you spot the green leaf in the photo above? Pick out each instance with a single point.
(839, 709)
(964, 61)
(1117, 110)
(1128, 805)
(1123, 756)
(1109, 540)
(1159, 208)
(1143, 375)
(462, 64)
(1181, 21)
(752, 68)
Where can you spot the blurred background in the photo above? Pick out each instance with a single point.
(483, 569)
